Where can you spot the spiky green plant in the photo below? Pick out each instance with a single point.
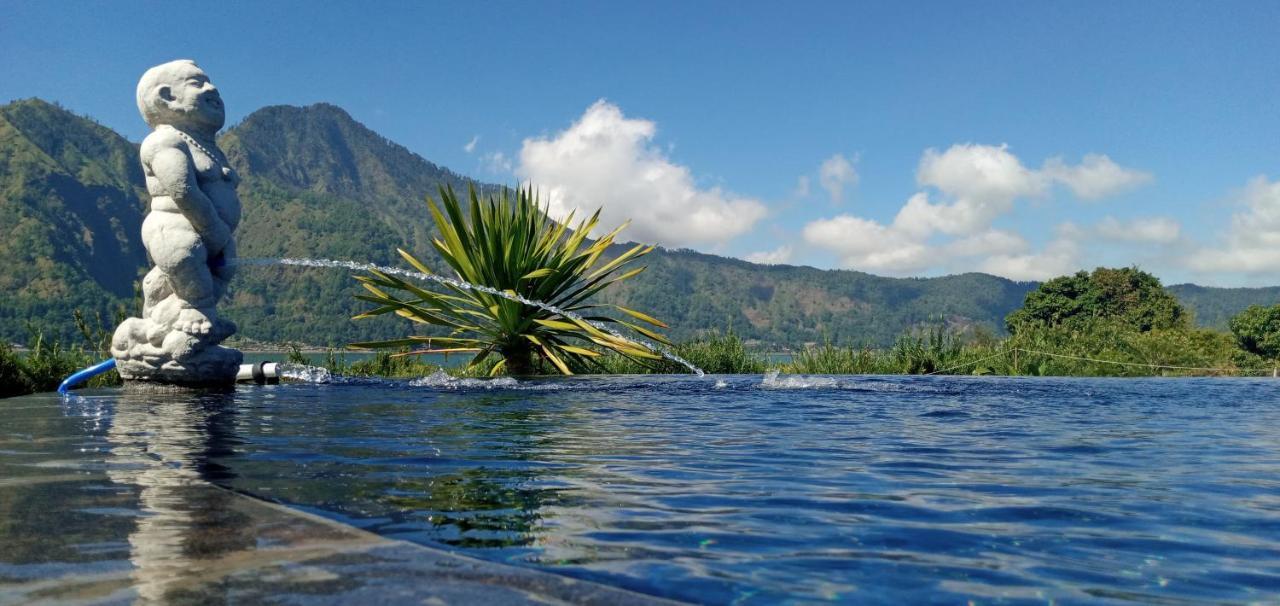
(510, 245)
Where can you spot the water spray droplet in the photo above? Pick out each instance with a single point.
(306, 374)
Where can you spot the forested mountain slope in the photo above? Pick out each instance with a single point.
(1214, 307)
(71, 207)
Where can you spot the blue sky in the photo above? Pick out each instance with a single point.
(1023, 139)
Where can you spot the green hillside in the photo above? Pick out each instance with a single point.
(316, 183)
(71, 207)
(1214, 307)
(790, 306)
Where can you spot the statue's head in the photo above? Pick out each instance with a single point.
(179, 93)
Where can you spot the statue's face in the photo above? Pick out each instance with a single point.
(193, 97)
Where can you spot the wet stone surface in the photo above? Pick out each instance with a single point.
(108, 499)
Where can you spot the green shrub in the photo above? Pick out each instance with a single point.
(297, 357)
(1257, 331)
(1103, 348)
(716, 354)
(13, 379)
(387, 364)
(829, 359)
(1128, 295)
(45, 365)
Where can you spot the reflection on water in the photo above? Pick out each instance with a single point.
(481, 493)
(107, 499)
(117, 480)
(165, 443)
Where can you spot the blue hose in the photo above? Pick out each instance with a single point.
(86, 374)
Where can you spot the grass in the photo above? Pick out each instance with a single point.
(922, 352)
(45, 365)
(381, 364)
(1099, 350)
(716, 354)
(1113, 351)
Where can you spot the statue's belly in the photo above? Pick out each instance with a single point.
(224, 198)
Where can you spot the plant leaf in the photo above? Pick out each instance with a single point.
(641, 316)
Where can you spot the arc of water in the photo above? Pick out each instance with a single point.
(464, 285)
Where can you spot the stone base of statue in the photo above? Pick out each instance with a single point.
(148, 351)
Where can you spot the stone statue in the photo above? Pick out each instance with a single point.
(187, 233)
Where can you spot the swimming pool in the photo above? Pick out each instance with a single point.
(749, 489)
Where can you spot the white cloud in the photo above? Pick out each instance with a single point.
(777, 256)
(974, 185)
(990, 242)
(607, 160)
(496, 162)
(978, 172)
(835, 174)
(922, 218)
(1252, 243)
(982, 182)
(471, 145)
(1097, 176)
(867, 245)
(1259, 225)
(1145, 230)
(1059, 257)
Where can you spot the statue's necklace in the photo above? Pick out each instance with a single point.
(217, 158)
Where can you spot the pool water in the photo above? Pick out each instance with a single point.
(754, 490)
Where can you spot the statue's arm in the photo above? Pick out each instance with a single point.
(176, 178)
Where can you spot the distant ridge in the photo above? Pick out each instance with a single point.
(1214, 306)
(71, 206)
(317, 183)
(322, 149)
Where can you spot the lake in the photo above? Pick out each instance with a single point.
(760, 490)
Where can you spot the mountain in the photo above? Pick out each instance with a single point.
(789, 306)
(317, 183)
(1214, 307)
(71, 207)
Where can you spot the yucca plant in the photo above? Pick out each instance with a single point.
(512, 246)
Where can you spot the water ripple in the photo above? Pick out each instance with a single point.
(802, 489)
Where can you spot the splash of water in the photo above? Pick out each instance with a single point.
(463, 285)
(305, 373)
(774, 380)
(442, 379)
